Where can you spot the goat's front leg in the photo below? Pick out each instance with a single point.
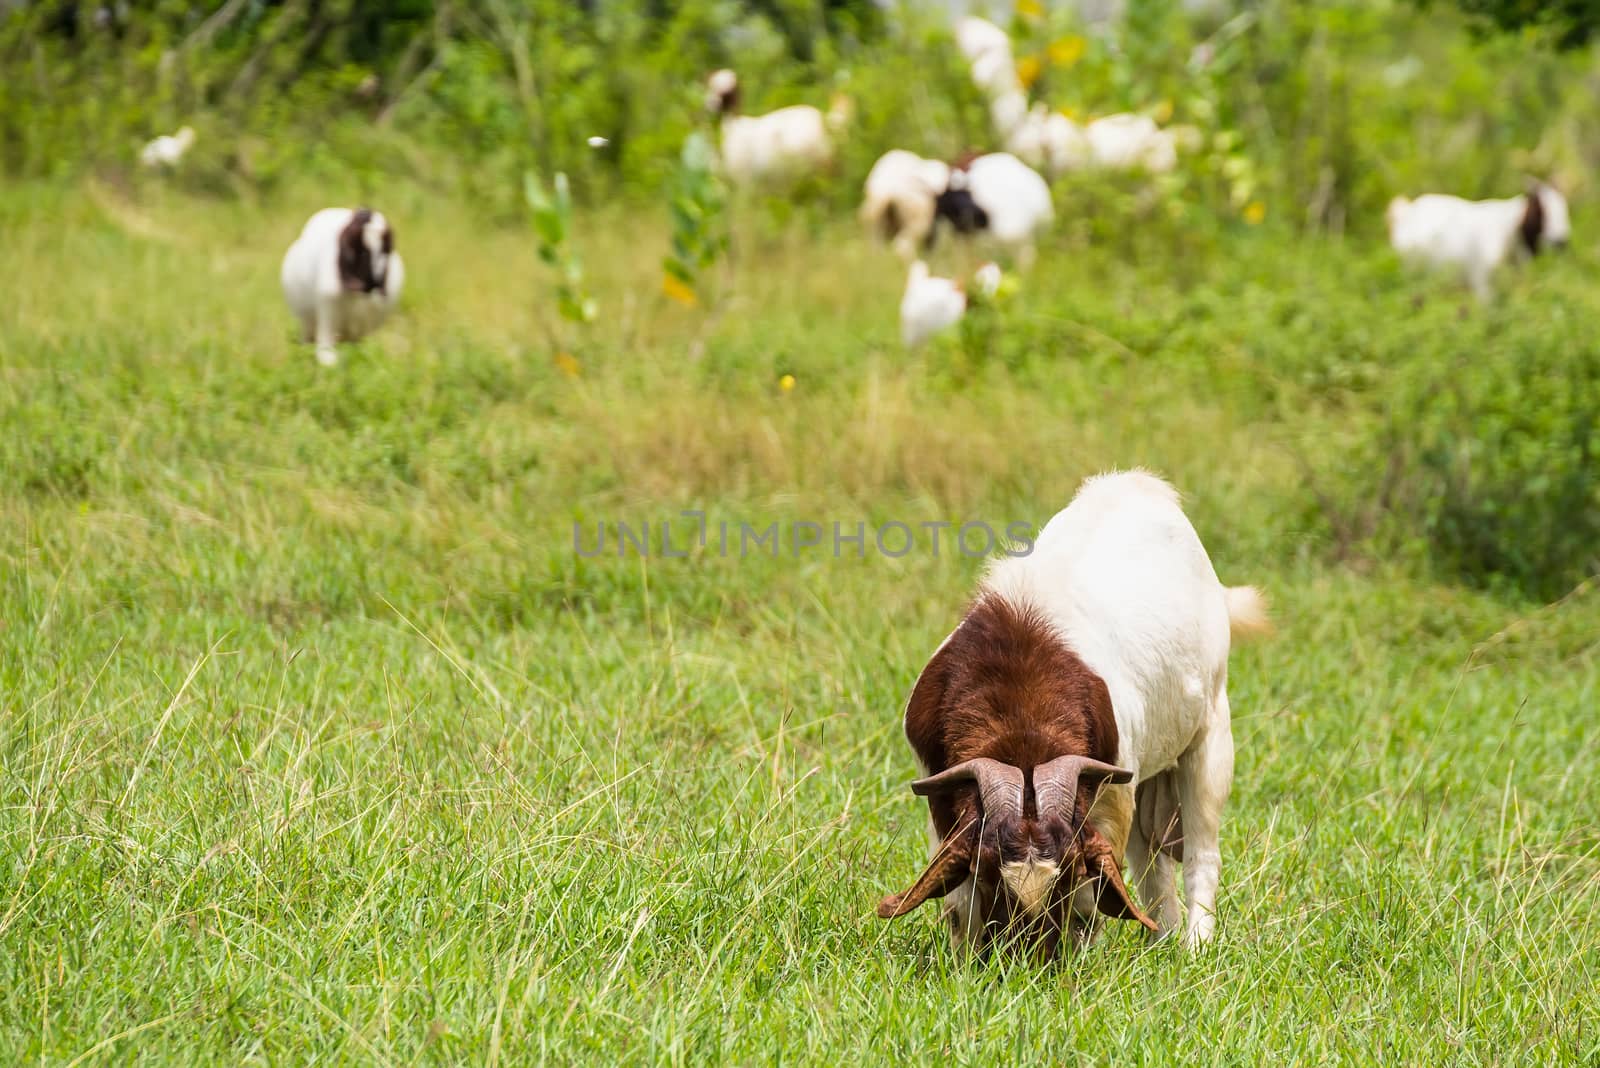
(1205, 775)
(327, 331)
(1155, 875)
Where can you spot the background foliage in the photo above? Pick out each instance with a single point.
(1338, 103)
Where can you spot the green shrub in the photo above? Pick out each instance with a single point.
(1483, 462)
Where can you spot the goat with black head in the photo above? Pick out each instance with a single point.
(958, 208)
(1094, 664)
(1000, 197)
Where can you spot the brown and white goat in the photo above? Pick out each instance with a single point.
(1080, 710)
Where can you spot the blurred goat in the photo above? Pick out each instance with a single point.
(901, 200)
(1474, 237)
(1000, 196)
(774, 149)
(931, 305)
(341, 277)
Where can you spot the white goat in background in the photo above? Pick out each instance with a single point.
(1013, 202)
(1474, 237)
(774, 149)
(341, 277)
(931, 305)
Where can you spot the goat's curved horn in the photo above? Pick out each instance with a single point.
(1055, 782)
(999, 784)
(947, 870)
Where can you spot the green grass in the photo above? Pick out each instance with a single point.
(319, 741)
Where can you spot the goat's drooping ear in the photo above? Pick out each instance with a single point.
(1111, 893)
(355, 259)
(1055, 783)
(999, 785)
(1000, 794)
(949, 868)
(1532, 226)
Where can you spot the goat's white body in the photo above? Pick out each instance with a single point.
(977, 37)
(1016, 199)
(1041, 138)
(930, 305)
(327, 312)
(907, 185)
(779, 147)
(1131, 143)
(1056, 144)
(1123, 577)
(1472, 238)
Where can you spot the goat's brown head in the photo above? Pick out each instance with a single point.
(1020, 734)
(1026, 834)
(365, 245)
(722, 93)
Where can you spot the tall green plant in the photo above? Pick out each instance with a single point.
(552, 225)
(698, 205)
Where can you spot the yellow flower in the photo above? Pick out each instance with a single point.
(1254, 212)
(1162, 112)
(567, 363)
(1066, 51)
(1030, 9)
(678, 291)
(1028, 68)
(786, 383)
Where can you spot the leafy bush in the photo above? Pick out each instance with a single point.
(1484, 461)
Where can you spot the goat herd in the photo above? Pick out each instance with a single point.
(342, 276)
(1077, 718)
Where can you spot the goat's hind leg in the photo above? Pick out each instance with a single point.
(1154, 870)
(1205, 775)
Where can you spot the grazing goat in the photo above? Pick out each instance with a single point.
(774, 149)
(1127, 142)
(1474, 237)
(341, 277)
(1080, 709)
(999, 195)
(167, 150)
(931, 304)
(901, 199)
(1040, 137)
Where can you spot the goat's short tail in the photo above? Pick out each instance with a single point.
(1247, 612)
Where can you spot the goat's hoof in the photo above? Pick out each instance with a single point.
(1197, 935)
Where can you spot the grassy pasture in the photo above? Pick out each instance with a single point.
(318, 740)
